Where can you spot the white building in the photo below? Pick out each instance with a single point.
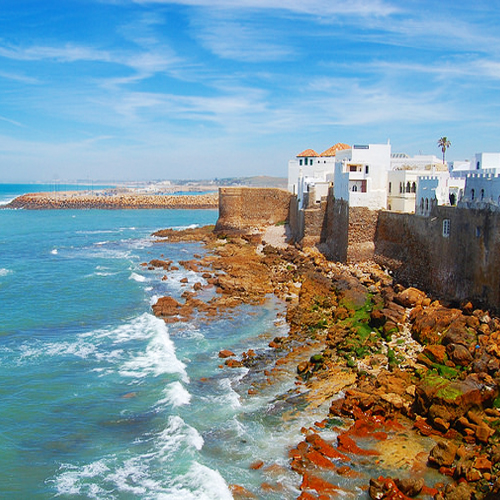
(481, 191)
(432, 190)
(367, 167)
(404, 176)
(310, 169)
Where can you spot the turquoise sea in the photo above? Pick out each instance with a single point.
(100, 399)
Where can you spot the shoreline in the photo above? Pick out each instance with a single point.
(411, 384)
(76, 200)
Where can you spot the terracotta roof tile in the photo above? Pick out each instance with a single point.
(308, 153)
(338, 147)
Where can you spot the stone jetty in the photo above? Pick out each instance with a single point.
(76, 200)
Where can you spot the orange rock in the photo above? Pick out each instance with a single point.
(319, 460)
(324, 448)
(257, 465)
(348, 445)
(240, 493)
(225, 353)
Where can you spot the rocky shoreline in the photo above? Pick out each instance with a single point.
(78, 200)
(412, 385)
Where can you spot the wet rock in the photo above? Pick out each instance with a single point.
(225, 353)
(166, 306)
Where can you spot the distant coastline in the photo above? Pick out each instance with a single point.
(109, 201)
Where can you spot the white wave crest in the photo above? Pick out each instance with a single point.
(137, 277)
(176, 435)
(4, 272)
(159, 356)
(176, 395)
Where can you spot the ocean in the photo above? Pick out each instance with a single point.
(101, 399)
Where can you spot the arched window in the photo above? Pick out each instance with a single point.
(482, 194)
(421, 204)
(453, 199)
(408, 187)
(426, 204)
(472, 194)
(390, 187)
(354, 188)
(414, 187)
(400, 187)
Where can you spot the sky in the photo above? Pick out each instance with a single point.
(202, 89)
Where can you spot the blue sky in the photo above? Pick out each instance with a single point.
(198, 89)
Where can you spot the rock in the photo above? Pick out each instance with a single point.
(484, 432)
(410, 297)
(459, 354)
(443, 454)
(437, 397)
(225, 353)
(166, 306)
(428, 324)
(233, 363)
(410, 486)
(461, 491)
(436, 353)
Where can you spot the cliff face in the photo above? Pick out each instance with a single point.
(242, 209)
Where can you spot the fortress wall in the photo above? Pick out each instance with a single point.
(361, 234)
(462, 266)
(244, 208)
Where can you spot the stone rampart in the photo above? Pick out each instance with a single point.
(244, 209)
(454, 253)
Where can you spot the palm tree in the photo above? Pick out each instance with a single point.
(444, 144)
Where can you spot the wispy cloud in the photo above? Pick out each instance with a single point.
(313, 7)
(240, 39)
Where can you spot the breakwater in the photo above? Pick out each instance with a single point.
(75, 200)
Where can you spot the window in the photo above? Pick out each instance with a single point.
(472, 194)
(446, 228)
(390, 187)
(478, 232)
(367, 169)
(353, 168)
(408, 187)
(482, 194)
(427, 204)
(300, 162)
(354, 188)
(414, 187)
(478, 165)
(421, 204)
(400, 187)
